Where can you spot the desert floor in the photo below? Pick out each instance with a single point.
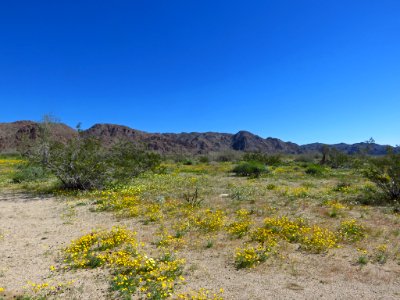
(36, 229)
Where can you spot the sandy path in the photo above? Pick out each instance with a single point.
(35, 229)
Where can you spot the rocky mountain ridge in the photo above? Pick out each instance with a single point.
(12, 135)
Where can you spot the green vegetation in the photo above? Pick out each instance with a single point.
(250, 168)
(83, 163)
(296, 206)
(385, 173)
(315, 170)
(269, 160)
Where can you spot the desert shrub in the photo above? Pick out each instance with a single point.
(187, 162)
(242, 192)
(128, 161)
(83, 163)
(315, 170)
(270, 160)
(79, 164)
(29, 172)
(192, 189)
(204, 159)
(338, 159)
(251, 168)
(385, 173)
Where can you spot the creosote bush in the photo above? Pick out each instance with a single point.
(29, 172)
(81, 163)
(127, 161)
(84, 163)
(269, 160)
(385, 173)
(315, 170)
(251, 169)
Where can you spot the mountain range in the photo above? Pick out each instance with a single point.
(13, 134)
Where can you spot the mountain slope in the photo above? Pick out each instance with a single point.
(14, 134)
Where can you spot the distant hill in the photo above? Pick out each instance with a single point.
(193, 142)
(12, 135)
(371, 148)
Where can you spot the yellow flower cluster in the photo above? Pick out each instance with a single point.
(49, 288)
(351, 231)
(167, 240)
(381, 253)
(9, 162)
(201, 294)
(314, 239)
(250, 256)
(290, 230)
(263, 236)
(241, 225)
(318, 239)
(209, 221)
(86, 251)
(134, 272)
(335, 205)
(293, 192)
(152, 212)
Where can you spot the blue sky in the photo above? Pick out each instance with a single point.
(302, 71)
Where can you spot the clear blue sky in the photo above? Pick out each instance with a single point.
(302, 71)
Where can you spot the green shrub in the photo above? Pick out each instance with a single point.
(269, 160)
(338, 159)
(385, 173)
(79, 164)
(83, 163)
(126, 161)
(187, 162)
(315, 170)
(251, 168)
(204, 159)
(29, 172)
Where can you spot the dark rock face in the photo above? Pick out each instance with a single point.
(14, 134)
(246, 141)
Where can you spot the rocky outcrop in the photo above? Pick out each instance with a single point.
(12, 135)
(16, 134)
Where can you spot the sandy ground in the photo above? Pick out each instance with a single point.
(36, 229)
